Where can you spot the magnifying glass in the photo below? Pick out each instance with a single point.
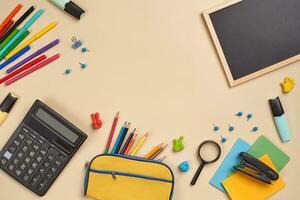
(209, 152)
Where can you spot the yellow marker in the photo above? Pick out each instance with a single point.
(6, 106)
(139, 144)
(32, 39)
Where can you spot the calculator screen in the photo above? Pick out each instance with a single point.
(56, 125)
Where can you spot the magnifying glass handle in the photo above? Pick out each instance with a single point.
(194, 180)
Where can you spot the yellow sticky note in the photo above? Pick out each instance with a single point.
(240, 186)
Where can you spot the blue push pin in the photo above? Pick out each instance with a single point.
(223, 140)
(231, 128)
(249, 116)
(84, 49)
(239, 114)
(82, 65)
(184, 166)
(68, 71)
(76, 43)
(254, 129)
(216, 128)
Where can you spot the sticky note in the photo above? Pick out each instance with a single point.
(264, 146)
(226, 167)
(240, 186)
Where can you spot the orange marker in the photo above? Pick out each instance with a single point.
(10, 16)
(126, 152)
(153, 151)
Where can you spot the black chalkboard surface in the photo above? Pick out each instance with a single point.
(254, 37)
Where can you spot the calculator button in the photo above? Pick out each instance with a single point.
(36, 147)
(29, 171)
(50, 158)
(29, 141)
(39, 159)
(7, 155)
(53, 169)
(25, 148)
(17, 142)
(25, 178)
(57, 162)
(31, 154)
(21, 136)
(16, 161)
(18, 172)
(27, 160)
(35, 179)
(42, 184)
(34, 165)
(32, 135)
(42, 170)
(22, 166)
(49, 175)
(25, 130)
(12, 149)
(20, 155)
(3, 161)
(53, 151)
(11, 167)
(43, 152)
(46, 164)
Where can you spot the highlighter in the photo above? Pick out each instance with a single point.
(6, 106)
(280, 119)
(70, 7)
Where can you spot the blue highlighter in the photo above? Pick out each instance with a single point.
(280, 120)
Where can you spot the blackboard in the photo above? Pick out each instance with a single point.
(254, 37)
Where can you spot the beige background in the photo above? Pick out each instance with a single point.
(154, 62)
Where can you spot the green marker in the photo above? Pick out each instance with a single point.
(15, 44)
(8, 38)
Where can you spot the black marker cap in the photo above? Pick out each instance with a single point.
(276, 106)
(8, 103)
(73, 9)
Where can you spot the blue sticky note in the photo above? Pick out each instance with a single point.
(226, 167)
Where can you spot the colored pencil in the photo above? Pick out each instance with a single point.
(5, 29)
(32, 56)
(158, 152)
(114, 150)
(123, 137)
(17, 23)
(161, 159)
(16, 43)
(10, 16)
(16, 56)
(22, 30)
(139, 144)
(8, 38)
(33, 69)
(38, 35)
(24, 68)
(127, 141)
(126, 152)
(153, 151)
(112, 131)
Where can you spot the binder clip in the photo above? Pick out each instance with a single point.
(255, 168)
(76, 43)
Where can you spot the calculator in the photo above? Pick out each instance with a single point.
(40, 148)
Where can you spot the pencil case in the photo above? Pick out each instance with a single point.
(121, 177)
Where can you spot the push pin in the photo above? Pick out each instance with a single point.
(67, 71)
(84, 49)
(254, 129)
(216, 128)
(76, 43)
(223, 139)
(249, 116)
(239, 114)
(82, 65)
(231, 128)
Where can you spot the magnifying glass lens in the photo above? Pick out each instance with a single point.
(208, 152)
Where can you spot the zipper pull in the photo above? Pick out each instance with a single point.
(114, 176)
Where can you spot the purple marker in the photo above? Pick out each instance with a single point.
(35, 54)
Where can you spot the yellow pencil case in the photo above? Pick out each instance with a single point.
(120, 177)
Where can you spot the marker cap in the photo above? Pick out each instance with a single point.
(74, 9)
(8, 103)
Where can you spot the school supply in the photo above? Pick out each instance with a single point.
(96, 121)
(40, 148)
(241, 186)
(35, 54)
(205, 160)
(153, 151)
(184, 166)
(178, 144)
(255, 168)
(6, 106)
(161, 149)
(288, 84)
(127, 141)
(8, 38)
(139, 145)
(16, 56)
(17, 23)
(280, 119)
(38, 35)
(69, 7)
(22, 31)
(32, 69)
(161, 159)
(245, 40)
(121, 138)
(264, 146)
(128, 148)
(22, 69)
(14, 44)
(5, 29)
(10, 16)
(231, 159)
(125, 177)
(111, 134)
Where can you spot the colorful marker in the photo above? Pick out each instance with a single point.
(70, 7)
(6, 106)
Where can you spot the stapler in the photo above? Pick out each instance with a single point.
(255, 168)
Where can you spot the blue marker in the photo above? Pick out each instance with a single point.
(22, 30)
(16, 56)
(280, 120)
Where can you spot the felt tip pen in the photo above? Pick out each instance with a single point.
(6, 106)
(280, 119)
(70, 7)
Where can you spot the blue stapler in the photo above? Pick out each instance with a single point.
(255, 168)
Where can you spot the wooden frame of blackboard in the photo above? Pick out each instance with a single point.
(232, 82)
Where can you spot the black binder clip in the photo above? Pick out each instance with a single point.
(256, 169)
